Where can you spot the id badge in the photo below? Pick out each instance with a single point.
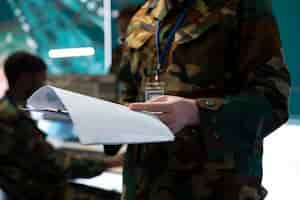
(154, 89)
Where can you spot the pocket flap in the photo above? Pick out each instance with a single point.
(193, 31)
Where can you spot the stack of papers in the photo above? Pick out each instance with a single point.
(97, 121)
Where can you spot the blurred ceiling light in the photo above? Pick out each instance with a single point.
(31, 43)
(21, 19)
(91, 5)
(115, 13)
(17, 12)
(26, 27)
(71, 52)
(8, 38)
(83, 1)
(100, 11)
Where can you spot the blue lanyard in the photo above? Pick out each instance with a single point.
(161, 55)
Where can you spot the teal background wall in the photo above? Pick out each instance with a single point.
(288, 16)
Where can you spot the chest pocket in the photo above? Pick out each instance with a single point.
(195, 29)
(200, 49)
(204, 52)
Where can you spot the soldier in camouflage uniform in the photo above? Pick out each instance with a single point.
(30, 167)
(226, 88)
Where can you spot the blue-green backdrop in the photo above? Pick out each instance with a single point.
(288, 16)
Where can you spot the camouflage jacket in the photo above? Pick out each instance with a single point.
(30, 167)
(227, 55)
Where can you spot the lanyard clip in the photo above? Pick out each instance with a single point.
(157, 72)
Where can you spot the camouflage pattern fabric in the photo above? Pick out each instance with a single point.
(227, 56)
(30, 168)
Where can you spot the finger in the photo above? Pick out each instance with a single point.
(150, 107)
(159, 99)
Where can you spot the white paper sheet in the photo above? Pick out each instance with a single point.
(97, 121)
(107, 181)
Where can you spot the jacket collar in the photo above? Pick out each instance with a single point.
(160, 8)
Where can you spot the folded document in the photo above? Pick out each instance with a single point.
(96, 121)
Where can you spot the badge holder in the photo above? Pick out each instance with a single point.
(154, 89)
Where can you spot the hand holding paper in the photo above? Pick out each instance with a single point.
(175, 112)
(97, 121)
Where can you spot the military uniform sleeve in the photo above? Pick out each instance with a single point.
(76, 166)
(261, 106)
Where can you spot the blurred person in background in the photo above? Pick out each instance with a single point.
(25, 73)
(30, 167)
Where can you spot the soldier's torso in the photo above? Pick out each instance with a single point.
(202, 63)
(201, 60)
